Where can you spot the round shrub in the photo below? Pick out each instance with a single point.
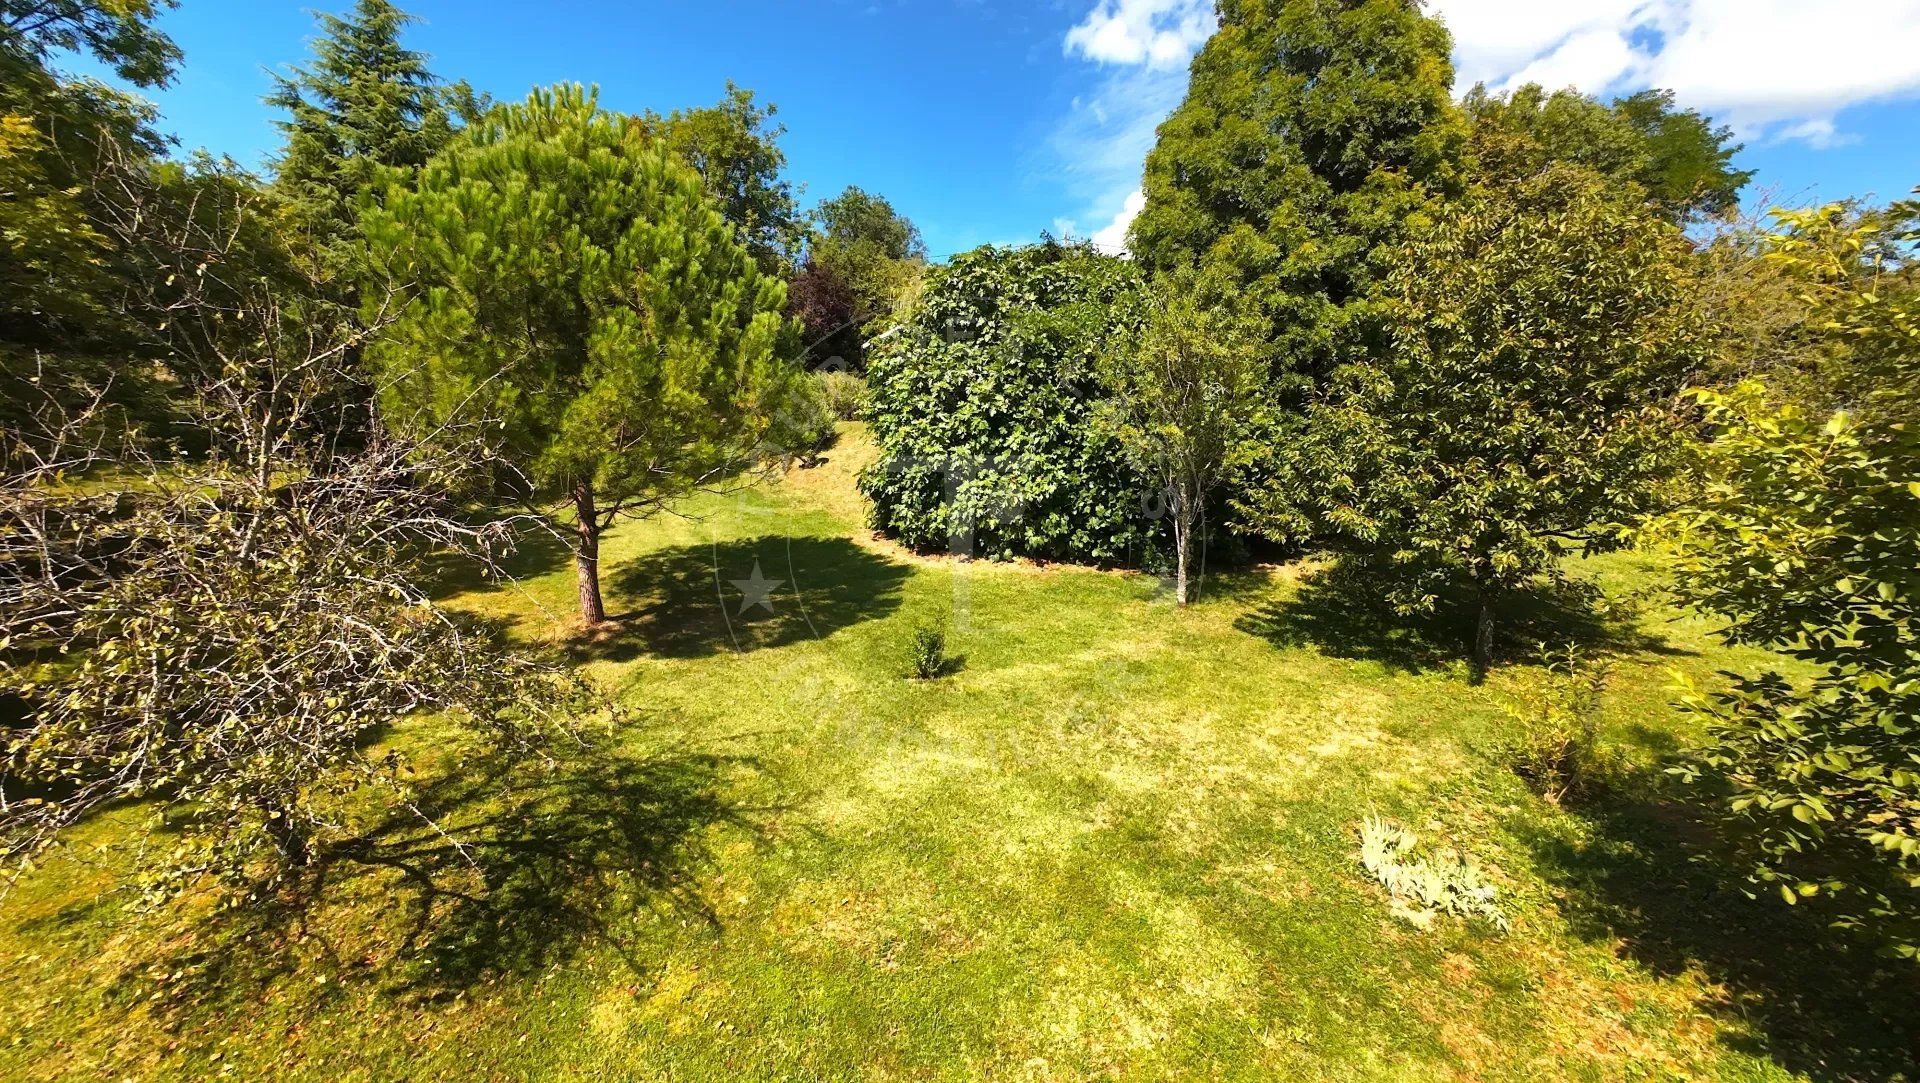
(846, 393)
(983, 403)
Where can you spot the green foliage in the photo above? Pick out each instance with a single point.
(984, 409)
(575, 286)
(1186, 402)
(803, 425)
(54, 263)
(1804, 539)
(118, 33)
(846, 394)
(1676, 157)
(1537, 335)
(867, 257)
(1423, 888)
(927, 654)
(364, 104)
(1689, 168)
(1858, 286)
(64, 272)
(1802, 535)
(860, 222)
(1555, 740)
(1311, 137)
(735, 147)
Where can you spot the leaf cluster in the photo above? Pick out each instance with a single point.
(984, 406)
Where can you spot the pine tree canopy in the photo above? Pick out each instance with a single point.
(579, 290)
(364, 102)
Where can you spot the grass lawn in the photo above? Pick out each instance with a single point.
(1119, 841)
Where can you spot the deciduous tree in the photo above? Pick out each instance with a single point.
(218, 636)
(1537, 336)
(1311, 136)
(1186, 397)
(859, 247)
(1803, 534)
(63, 278)
(735, 147)
(984, 406)
(1682, 163)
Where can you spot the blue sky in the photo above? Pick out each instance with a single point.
(991, 120)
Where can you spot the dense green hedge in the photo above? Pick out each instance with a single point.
(983, 401)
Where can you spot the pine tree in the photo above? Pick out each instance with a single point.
(1311, 133)
(365, 102)
(579, 297)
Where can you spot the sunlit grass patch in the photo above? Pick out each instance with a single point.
(1118, 843)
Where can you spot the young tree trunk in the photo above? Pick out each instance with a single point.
(1182, 544)
(289, 840)
(586, 554)
(1483, 630)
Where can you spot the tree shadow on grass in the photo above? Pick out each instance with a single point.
(507, 867)
(1342, 611)
(1818, 1003)
(745, 594)
(536, 552)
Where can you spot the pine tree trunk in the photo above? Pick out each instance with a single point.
(586, 555)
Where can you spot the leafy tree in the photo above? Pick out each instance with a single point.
(856, 220)
(862, 248)
(823, 303)
(1311, 136)
(1858, 279)
(1689, 168)
(364, 103)
(1538, 333)
(1802, 535)
(62, 277)
(1677, 157)
(578, 289)
(1186, 396)
(118, 33)
(218, 636)
(735, 147)
(984, 406)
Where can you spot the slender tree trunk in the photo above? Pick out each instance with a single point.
(289, 840)
(1483, 629)
(586, 554)
(1182, 544)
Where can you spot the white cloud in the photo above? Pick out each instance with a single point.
(1590, 58)
(1113, 236)
(1142, 47)
(1771, 68)
(1495, 38)
(1158, 33)
(1100, 147)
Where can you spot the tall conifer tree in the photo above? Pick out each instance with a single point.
(364, 102)
(1312, 131)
